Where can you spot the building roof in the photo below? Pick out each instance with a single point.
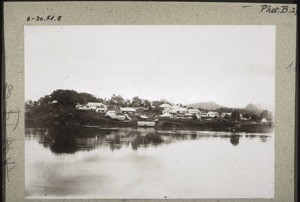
(165, 105)
(166, 115)
(213, 113)
(101, 108)
(111, 111)
(127, 109)
(143, 116)
(95, 104)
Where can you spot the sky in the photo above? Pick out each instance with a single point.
(230, 65)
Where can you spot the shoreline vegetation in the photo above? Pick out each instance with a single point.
(61, 109)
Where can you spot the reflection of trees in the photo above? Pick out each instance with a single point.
(193, 135)
(235, 139)
(151, 138)
(75, 139)
(62, 144)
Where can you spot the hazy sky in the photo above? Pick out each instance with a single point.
(230, 65)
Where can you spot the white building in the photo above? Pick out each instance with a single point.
(212, 114)
(95, 105)
(101, 110)
(81, 107)
(194, 111)
(117, 117)
(110, 112)
(128, 110)
(143, 117)
(166, 115)
(175, 110)
(165, 106)
(264, 120)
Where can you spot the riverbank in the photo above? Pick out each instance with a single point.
(169, 125)
(67, 116)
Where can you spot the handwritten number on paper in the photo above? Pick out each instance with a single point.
(8, 90)
(10, 115)
(44, 18)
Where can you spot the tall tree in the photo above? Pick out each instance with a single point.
(235, 115)
(136, 101)
(266, 114)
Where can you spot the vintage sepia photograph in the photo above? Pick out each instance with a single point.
(149, 111)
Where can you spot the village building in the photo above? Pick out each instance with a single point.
(143, 117)
(95, 105)
(188, 114)
(166, 115)
(194, 111)
(78, 105)
(101, 110)
(175, 110)
(203, 114)
(127, 110)
(212, 114)
(81, 107)
(264, 120)
(116, 117)
(110, 112)
(164, 106)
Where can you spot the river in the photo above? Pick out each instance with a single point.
(145, 163)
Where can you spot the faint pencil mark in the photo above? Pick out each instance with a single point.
(291, 67)
(65, 77)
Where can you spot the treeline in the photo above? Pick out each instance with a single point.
(67, 97)
(71, 97)
(253, 115)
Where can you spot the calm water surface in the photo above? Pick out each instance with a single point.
(145, 163)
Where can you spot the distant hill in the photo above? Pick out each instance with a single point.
(206, 105)
(252, 107)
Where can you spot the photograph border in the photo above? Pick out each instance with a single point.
(154, 13)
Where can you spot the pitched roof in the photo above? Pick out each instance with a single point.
(127, 109)
(165, 115)
(95, 104)
(194, 110)
(211, 112)
(164, 105)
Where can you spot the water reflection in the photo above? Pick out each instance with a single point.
(71, 140)
(234, 139)
(263, 138)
